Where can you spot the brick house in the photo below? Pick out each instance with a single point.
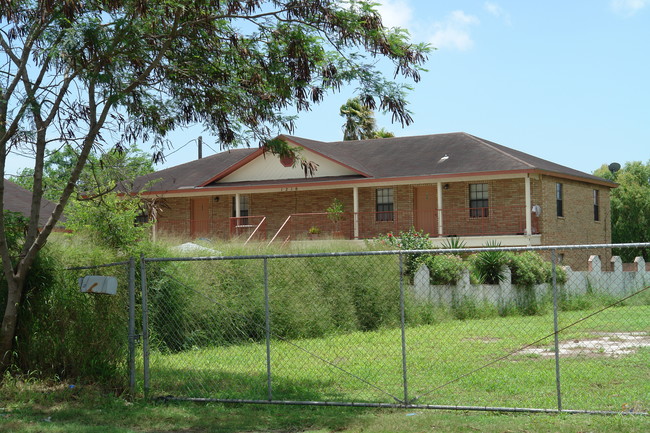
(445, 184)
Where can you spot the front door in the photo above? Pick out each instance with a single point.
(425, 209)
(200, 217)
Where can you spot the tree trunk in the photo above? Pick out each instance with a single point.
(9, 321)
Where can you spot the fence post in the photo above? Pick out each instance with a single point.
(145, 325)
(555, 327)
(267, 313)
(132, 327)
(403, 325)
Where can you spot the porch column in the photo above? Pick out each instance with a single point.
(439, 195)
(527, 210)
(237, 206)
(355, 206)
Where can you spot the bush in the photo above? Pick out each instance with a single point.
(444, 268)
(68, 334)
(487, 266)
(109, 220)
(408, 240)
(530, 268)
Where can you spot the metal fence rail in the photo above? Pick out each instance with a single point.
(373, 329)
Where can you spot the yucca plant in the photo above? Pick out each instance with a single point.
(487, 265)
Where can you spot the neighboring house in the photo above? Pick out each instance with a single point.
(445, 184)
(18, 199)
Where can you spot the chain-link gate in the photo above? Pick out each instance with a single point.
(380, 329)
(110, 344)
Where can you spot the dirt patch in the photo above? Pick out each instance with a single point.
(612, 344)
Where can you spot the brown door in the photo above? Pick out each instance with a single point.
(425, 209)
(200, 217)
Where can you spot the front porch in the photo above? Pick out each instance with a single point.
(506, 225)
(498, 207)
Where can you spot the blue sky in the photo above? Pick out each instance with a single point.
(567, 81)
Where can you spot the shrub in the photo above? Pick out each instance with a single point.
(444, 268)
(486, 266)
(530, 268)
(409, 240)
(109, 220)
(69, 334)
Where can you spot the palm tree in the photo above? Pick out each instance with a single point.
(382, 133)
(359, 120)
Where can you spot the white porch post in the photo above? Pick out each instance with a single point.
(355, 205)
(529, 222)
(237, 205)
(439, 195)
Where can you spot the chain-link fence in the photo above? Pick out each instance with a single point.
(429, 329)
(97, 313)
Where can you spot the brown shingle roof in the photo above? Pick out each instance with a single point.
(387, 158)
(18, 199)
(422, 155)
(193, 173)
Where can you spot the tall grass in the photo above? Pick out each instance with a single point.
(198, 304)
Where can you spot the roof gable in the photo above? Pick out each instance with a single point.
(266, 166)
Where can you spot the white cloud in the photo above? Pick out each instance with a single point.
(497, 11)
(454, 31)
(628, 7)
(395, 13)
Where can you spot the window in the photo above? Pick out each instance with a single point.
(385, 204)
(478, 200)
(558, 199)
(596, 206)
(243, 208)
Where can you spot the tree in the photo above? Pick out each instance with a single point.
(89, 74)
(360, 122)
(630, 205)
(101, 174)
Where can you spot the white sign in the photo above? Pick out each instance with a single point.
(97, 284)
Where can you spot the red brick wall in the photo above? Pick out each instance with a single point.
(577, 226)
(506, 200)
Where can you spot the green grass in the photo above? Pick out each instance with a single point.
(451, 363)
(53, 408)
(437, 354)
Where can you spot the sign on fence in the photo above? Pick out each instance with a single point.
(98, 284)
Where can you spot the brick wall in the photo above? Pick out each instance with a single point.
(173, 217)
(577, 225)
(506, 200)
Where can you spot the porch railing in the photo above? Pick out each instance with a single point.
(491, 221)
(510, 220)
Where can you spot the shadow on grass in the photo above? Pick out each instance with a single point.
(170, 383)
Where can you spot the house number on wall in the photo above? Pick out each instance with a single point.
(289, 189)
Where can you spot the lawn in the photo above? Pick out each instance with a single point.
(452, 363)
(53, 408)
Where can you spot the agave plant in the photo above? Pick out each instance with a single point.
(487, 265)
(453, 243)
